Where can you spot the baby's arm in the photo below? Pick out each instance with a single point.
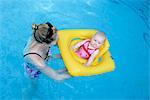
(92, 57)
(79, 44)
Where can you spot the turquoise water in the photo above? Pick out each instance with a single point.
(125, 23)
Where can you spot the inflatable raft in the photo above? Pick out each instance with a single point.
(103, 62)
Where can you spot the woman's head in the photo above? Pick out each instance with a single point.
(44, 32)
(98, 39)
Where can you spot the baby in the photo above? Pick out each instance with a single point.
(89, 48)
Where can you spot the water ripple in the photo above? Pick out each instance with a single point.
(141, 10)
(146, 37)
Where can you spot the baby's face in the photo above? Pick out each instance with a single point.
(97, 41)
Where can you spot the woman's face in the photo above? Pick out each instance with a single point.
(54, 32)
(54, 29)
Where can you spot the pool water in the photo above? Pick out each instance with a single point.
(126, 24)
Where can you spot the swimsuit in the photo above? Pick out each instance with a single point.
(31, 72)
(29, 68)
(84, 51)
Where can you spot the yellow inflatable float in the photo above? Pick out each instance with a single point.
(75, 64)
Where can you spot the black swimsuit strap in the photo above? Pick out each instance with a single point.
(36, 54)
(32, 53)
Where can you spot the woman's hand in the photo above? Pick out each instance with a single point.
(62, 77)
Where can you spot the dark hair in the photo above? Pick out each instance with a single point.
(42, 37)
(49, 24)
(49, 33)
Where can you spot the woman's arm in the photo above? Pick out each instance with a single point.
(47, 70)
(54, 75)
(92, 57)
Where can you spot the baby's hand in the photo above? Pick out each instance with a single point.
(87, 65)
(73, 48)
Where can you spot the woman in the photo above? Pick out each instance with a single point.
(36, 52)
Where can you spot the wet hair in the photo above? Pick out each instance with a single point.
(102, 34)
(42, 33)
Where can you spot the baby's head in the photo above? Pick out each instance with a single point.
(97, 40)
